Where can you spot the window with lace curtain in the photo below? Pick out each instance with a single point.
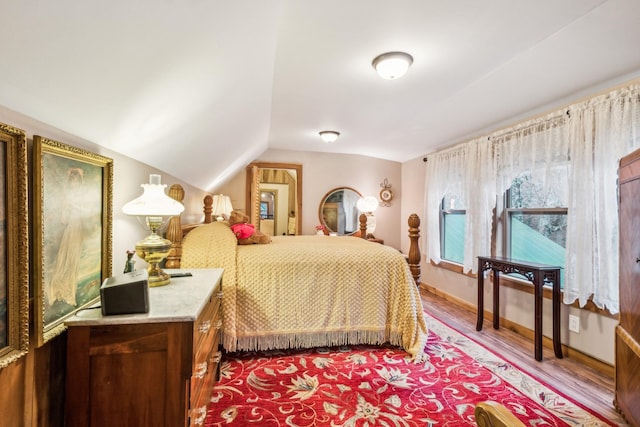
(535, 222)
(452, 229)
(576, 149)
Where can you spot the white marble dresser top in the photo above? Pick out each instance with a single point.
(181, 300)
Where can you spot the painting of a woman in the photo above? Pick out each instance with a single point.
(64, 280)
(72, 232)
(72, 235)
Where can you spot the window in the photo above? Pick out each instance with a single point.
(452, 229)
(535, 223)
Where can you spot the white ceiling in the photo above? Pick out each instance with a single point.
(199, 88)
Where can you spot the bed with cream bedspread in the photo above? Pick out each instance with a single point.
(310, 291)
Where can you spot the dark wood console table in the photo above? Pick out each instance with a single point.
(539, 275)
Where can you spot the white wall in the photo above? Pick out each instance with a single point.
(597, 332)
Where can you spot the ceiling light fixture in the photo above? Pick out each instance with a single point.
(392, 65)
(329, 136)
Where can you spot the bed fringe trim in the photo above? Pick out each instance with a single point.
(317, 339)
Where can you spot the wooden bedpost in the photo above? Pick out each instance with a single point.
(208, 208)
(363, 225)
(174, 230)
(414, 248)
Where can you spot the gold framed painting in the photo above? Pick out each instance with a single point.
(14, 246)
(72, 231)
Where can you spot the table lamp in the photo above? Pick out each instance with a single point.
(222, 207)
(367, 206)
(156, 208)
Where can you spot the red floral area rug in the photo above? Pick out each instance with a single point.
(379, 386)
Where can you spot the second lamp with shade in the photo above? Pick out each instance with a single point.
(221, 207)
(367, 206)
(154, 208)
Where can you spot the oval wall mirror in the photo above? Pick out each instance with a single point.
(274, 197)
(338, 211)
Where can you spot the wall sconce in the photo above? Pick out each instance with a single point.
(221, 208)
(386, 195)
(156, 208)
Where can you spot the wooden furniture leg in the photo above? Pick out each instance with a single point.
(480, 299)
(496, 299)
(414, 248)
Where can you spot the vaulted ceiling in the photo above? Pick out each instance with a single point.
(199, 88)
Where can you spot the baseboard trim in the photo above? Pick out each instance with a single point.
(585, 359)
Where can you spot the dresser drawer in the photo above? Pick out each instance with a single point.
(206, 323)
(203, 370)
(204, 343)
(201, 390)
(206, 358)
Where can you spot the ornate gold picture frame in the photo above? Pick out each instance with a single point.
(14, 246)
(72, 231)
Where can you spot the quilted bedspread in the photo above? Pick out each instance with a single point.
(310, 291)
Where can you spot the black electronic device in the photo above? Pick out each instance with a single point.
(127, 293)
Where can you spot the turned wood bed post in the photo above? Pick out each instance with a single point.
(414, 249)
(363, 225)
(208, 208)
(174, 230)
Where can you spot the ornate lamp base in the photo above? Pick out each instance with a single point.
(153, 249)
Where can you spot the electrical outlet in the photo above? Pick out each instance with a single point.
(574, 324)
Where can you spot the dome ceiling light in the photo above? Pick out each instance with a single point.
(329, 136)
(392, 65)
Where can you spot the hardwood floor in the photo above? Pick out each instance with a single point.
(568, 376)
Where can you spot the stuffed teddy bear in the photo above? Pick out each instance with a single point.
(245, 232)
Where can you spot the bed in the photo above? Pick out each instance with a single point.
(307, 291)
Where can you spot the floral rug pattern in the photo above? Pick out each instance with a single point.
(379, 386)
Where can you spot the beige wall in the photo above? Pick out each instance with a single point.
(597, 333)
(323, 172)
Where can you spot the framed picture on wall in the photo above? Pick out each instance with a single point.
(72, 231)
(14, 246)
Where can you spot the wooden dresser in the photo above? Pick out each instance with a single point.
(627, 350)
(153, 369)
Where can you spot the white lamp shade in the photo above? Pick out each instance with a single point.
(221, 205)
(367, 204)
(154, 201)
(392, 65)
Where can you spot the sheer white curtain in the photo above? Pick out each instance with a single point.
(480, 195)
(601, 131)
(444, 175)
(539, 147)
(467, 172)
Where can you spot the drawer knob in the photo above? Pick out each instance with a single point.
(201, 370)
(220, 294)
(204, 326)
